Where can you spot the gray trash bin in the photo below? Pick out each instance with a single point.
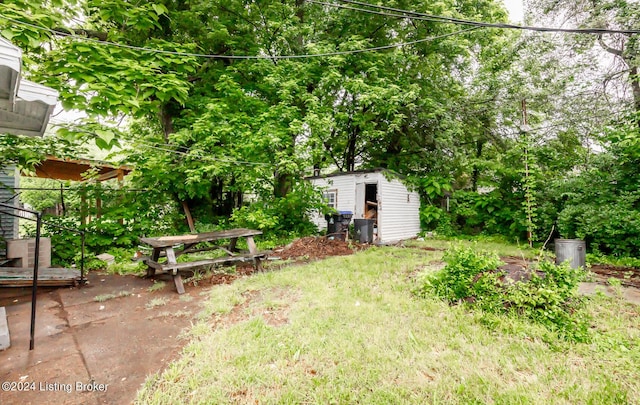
(364, 230)
(574, 250)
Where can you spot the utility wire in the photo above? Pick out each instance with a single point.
(165, 148)
(436, 18)
(241, 57)
(189, 153)
(198, 155)
(404, 14)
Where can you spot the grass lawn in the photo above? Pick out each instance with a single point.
(348, 330)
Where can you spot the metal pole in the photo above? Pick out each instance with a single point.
(82, 280)
(64, 209)
(34, 290)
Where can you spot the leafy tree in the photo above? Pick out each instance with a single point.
(609, 14)
(219, 110)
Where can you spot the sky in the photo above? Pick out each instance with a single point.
(515, 9)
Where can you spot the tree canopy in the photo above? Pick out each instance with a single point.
(215, 101)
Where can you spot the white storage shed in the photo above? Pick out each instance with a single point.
(376, 194)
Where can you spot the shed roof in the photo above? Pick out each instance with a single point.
(362, 171)
(25, 106)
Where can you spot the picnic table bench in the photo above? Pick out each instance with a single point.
(169, 246)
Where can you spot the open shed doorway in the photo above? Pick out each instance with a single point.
(371, 205)
(371, 201)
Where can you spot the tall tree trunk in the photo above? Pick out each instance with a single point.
(635, 88)
(166, 121)
(284, 184)
(476, 170)
(284, 179)
(351, 150)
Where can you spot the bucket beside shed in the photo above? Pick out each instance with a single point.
(573, 250)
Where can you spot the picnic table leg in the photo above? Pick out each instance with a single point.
(232, 245)
(253, 249)
(151, 271)
(177, 279)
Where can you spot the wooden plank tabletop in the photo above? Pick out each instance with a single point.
(166, 241)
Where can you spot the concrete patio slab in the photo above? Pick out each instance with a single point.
(115, 344)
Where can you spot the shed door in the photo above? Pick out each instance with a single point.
(360, 194)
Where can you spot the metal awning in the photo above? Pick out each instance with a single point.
(25, 107)
(74, 169)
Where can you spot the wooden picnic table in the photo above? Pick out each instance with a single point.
(174, 246)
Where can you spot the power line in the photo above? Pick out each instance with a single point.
(238, 57)
(442, 19)
(404, 14)
(152, 145)
(164, 148)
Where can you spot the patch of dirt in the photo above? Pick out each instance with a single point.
(517, 269)
(628, 276)
(515, 260)
(218, 277)
(313, 248)
(428, 248)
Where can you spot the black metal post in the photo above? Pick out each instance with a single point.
(64, 209)
(34, 291)
(82, 280)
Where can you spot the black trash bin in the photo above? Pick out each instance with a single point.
(338, 224)
(364, 230)
(333, 221)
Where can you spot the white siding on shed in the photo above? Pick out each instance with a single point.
(399, 212)
(345, 195)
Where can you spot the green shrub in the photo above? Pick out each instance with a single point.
(436, 219)
(284, 216)
(597, 257)
(549, 298)
(493, 213)
(456, 281)
(612, 227)
(91, 263)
